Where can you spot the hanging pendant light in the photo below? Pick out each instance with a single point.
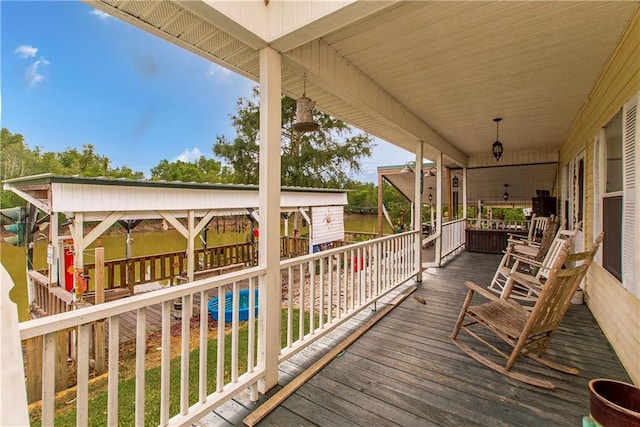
(430, 197)
(496, 149)
(304, 112)
(505, 196)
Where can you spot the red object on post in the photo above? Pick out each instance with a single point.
(68, 265)
(357, 266)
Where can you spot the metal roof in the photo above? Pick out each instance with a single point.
(96, 198)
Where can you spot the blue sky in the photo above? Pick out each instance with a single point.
(72, 75)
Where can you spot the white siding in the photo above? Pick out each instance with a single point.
(327, 224)
(108, 198)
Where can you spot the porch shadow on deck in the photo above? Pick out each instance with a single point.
(405, 370)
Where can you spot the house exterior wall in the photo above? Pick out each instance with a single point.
(616, 309)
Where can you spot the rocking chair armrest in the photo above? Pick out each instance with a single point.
(526, 280)
(518, 238)
(482, 291)
(526, 259)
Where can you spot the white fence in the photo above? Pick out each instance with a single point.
(319, 292)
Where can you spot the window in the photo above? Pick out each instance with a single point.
(615, 192)
(612, 199)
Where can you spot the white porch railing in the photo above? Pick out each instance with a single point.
(452, 236)
(320, 291)
(499, 224)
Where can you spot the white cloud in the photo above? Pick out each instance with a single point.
(189, 155)
(100, 14)
(25, 51)
(219, 73)
(33, 73)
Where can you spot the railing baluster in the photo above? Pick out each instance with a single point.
(204, 330)
(251, 345)
(48, 378)
(321, 283)
(220, 360)
(141, 347)
(289, 306)
(165, 360)
(82, 375)
(301, 304)
(185, 350)
(235, 324)
(330, 289)
(352, 278)
(312, 296)
(114, 366)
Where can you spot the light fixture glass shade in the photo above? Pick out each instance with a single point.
(497, 150)
(505, 196)
(454, 182)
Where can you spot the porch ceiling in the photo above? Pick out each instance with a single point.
(432, 71)
(484, 183)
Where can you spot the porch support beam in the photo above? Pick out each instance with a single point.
(464, 193)
(439, 208)
(417, 210)
(269, 206)
(327, 69)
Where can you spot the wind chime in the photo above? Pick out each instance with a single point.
(304, 112)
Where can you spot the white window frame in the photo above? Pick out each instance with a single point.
(630, 189)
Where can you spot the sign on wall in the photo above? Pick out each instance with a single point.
(327, 224)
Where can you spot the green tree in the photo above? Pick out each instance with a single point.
(202, 170)
(324, 158)
(17, 160)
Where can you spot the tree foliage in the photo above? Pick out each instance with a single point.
(17, 160)
(202, 170)
(324, 158)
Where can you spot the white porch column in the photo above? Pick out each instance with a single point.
(269, 206)
(464, 193)
(439, 207)
(13, 393)
(417, 210)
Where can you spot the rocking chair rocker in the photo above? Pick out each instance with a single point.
(527, 332)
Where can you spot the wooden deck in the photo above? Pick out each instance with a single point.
(405, 370)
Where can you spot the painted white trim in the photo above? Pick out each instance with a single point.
(598, 153)
(630, 221)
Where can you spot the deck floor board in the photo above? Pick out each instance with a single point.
(406, 371)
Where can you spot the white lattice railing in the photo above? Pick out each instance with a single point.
(319, 292)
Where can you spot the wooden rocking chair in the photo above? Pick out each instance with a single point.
(536, 231)
(538, 249)
(513, 261)
(527, 332)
